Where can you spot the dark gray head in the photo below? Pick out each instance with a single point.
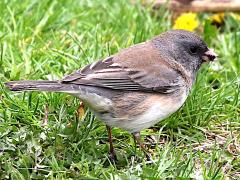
(184, 47)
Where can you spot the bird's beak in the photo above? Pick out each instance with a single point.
(209, 55)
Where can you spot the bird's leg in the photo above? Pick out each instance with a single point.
(137, 138)
(112, 153)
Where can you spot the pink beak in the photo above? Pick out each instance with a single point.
(209, 55)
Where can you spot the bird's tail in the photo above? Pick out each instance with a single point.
(37, 86)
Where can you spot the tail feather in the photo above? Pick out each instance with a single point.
(37, 86)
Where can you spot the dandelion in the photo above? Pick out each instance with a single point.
(217, 19)
(186, 21)
(235, 16)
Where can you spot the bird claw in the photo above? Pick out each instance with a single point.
(149, 159)
(112, 157)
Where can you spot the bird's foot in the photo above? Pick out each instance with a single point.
(149, 159)
(112, 157)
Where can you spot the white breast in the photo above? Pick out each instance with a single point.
(158, 111)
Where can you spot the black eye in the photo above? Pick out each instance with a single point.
(193, 50)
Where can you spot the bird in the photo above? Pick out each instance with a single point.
(138, 86)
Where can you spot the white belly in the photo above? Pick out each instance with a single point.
(158, 111)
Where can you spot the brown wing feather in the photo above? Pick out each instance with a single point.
(133, 69)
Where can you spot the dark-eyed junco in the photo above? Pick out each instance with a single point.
(137, 87)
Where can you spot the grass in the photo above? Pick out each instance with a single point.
(47, 39)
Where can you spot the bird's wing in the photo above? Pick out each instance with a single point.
(135, 69)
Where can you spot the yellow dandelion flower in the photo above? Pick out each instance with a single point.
(217, 18)
(186, 21)
(235, 16)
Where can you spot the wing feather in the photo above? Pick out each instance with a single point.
(111, 73)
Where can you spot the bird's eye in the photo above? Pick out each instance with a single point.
(193, 50)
